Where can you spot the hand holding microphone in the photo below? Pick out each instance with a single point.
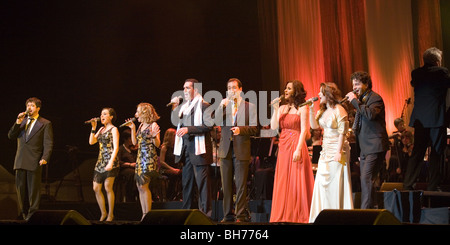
(90, 121)
(276, 102)
(350, 96)
(129, 122)
(309, 102)
(175, 101)
(21, 116)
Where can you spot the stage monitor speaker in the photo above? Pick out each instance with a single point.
(57, 217)
(176, 217)
(390, 186)
(356, 217)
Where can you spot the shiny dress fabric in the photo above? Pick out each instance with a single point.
(332, 187)
(146, 158)
(294, 181)
(106, 148)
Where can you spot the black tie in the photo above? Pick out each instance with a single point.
(28, 127)
(357, 123)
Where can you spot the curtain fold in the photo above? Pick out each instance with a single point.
(300, 44)
(390, 52)
(344, 40)
(327, 40)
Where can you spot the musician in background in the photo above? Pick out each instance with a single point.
(401, 148)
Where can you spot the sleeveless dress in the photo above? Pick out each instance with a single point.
(147, 157)
(294, 181)
(106, 148)
(332, 188)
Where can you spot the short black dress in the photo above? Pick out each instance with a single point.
(106, 146)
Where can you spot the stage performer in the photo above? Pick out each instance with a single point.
(193, 147)
(239, 123)
(332, 186)
(370, 130)
(148, 140)
(430, 82)
(294, 180)
(107, 166)
(34, 135)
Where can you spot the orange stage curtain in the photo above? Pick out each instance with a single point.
(300, 47)
(327, 40)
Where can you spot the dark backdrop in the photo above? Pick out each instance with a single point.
(81, 56)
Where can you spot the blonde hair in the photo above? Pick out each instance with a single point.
(148, 113)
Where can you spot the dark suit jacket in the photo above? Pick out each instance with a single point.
(189, 138)
(372, 136)
(430, 90)
(39, 145)
(246, 119)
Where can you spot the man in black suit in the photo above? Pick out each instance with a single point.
(34, 146)
(193, 147)
(239, 123)
(428, 118)
(370, 131)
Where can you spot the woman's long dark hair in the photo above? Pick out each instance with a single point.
(299, 93)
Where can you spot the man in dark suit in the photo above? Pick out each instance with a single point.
(428, 118)
(239, 123)
(193, 147)
(370, 131)
(34, 136)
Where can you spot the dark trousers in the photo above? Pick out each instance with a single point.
(28, 187)
(370, 166)
(192, 176)
(423, 137)
(231, 167)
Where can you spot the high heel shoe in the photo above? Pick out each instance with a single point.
(103, 218)
(143, 216)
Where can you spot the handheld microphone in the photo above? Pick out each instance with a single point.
(24, 114)
(172, 103)
(128, 122)
(309, 102)
(91, 120)
(276, 100)
(345, 98)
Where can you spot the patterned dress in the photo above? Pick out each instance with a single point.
(147, 157)
(106, 146)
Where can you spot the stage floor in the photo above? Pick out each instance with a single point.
(129, 213)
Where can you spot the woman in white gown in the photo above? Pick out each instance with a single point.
(332, 186)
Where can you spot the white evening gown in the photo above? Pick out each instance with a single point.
(332, 186)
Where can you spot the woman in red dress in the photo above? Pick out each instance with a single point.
(294, 179)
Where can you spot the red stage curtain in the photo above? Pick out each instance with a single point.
(327, 40)
(300, 46)
(390, 52)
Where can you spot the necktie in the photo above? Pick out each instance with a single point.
(28, 127)
(357, 123)
(235, 108)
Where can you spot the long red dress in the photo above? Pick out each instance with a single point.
(294, 181)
